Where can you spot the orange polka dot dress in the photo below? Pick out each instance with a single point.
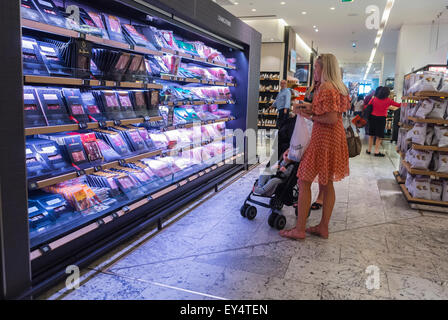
(327, 154)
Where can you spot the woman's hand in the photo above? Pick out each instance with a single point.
(302, 107)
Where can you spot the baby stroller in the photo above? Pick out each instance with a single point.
(284, 193)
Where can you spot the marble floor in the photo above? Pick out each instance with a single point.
(211, 252)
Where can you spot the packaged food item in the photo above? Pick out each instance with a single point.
(50, 12)
(75, 105)
(53, 106)
(33, 114)
(441, 159)
(160, 168)
(160, 140)
(418, 133)
(439, 109)
(425, 109)
(107, 151)
(29, 11)
(421, 188)
(91, 107)
(445, 190)
(113, 25)
(429, 135)
(33, 63)
(441, 133)
(136, 38)
(126, 108)
(427, 81)
(421, 159)
(436, 190)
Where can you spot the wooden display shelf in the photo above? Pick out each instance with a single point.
(194, 80)
(430, 94)
(90, 125)
(421, 172)
(434, 121)
(49, 28)
(398, 178)
(409, 198)
(186, 103)
(30, 79)
(197, 59)
(428, 148)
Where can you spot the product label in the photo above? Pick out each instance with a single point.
(114, 23)
(28, 96)
(28, 151)
(54, 201)
(47, 49)
(32, 210)
(30, 107)
(53, 107)
(77, 109)
(78, 156)
(45, 3)
(125, 101)
(52, 96)
(93, 109)
(51, 149)
(27, 44)
(111, 100)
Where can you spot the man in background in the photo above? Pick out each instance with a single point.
(283, 104)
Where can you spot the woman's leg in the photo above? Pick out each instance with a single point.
(327, 211)
(377, 145)
(370, 143)
(304, 204)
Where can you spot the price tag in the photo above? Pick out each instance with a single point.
(147, 118)
(102, 124)
(125, 209)
(82, 125)
(115, 215)
(80, 172)
(98, 168)
(121, 162)
(32, 186)
(45, 248)
(100, 222)
(117, 122)
(149, 198)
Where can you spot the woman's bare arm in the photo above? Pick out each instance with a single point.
(327, 118)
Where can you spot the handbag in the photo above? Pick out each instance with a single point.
(359, 122)
(367, 112)
(354, 143)
(300, 140)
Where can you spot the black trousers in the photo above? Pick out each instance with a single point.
(282, 117)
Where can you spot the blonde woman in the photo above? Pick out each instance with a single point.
(327, 155)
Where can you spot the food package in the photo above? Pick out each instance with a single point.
(420, 159)
(442, 162)
(445, 191)
(409, 182)
(442, 136)
(444, 86)
(439, 109)
(418, 133)
(428, 81)
(429, 135)
(421, 188)
(425, 109)
(436, 188)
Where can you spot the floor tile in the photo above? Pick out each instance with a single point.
(414, 288)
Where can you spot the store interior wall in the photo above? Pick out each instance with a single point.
(432, 44)
(387, 67)
(272, 57)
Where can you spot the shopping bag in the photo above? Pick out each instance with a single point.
(300, 140)
(354, 143)
(359, 122)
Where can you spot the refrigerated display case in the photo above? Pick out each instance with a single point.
(117, 119)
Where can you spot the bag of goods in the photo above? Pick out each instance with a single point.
(418, 133)
(441, 134)
(441, 162)
(427, 81)
(420, 159)
(429, 135)
(444, 86)
(445, 190)
(436, 188)
(409, 182)
(439, 109)
(421, 188)
(425, 109)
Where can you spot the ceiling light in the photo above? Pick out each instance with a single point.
(235, 3)
(253, 10)
(384, 20)
(317, 30)
(283, 3)
(303, 12)
(314, 27)
(332, 8)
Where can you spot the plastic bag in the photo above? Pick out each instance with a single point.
(445, 191)
(429, 135)
(421, 188)
(442, 135)
(439, 109)
(428, 81)
(442, 162)
(420, 159)
(425, 109)
(300, 140)
(418, 133)
(436, 188)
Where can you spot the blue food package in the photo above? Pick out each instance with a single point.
(38, 217)
(34, 117)
(29, 11)
(50, 12)
(53, 106)
(33, 63)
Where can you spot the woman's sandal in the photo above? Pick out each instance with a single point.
(316, 232)
(316, 206)
(292, 234)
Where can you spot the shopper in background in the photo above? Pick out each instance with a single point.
(367, 101)
(358, 106)
(327, 155)
(377, 122)
(283, 104)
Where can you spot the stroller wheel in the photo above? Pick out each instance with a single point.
(276, 204)
(280, 222)
(243, 210)
(251, 212)
(271, 219)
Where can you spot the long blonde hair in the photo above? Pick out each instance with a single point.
(331, 72)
